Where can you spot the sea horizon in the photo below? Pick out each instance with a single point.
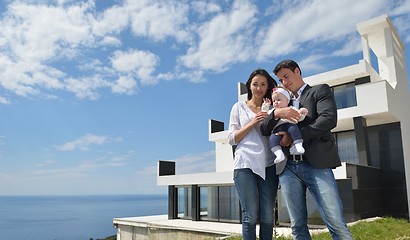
(67, 217)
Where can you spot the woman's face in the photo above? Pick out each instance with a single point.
(259, 86)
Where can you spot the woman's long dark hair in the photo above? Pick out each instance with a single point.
(271, 82)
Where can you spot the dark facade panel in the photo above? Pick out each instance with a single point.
(368, 200)
(166, 168)
(362, 80)
(172, 202)
(386, 147)
(364, 176)
(195, 203)
(217, 126)
(346, 194)
(362, 142)
(243, 89)
(373, 192)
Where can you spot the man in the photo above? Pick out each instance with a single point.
(313, 169)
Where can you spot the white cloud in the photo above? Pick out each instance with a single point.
(224, 40)
(315, 22)
(34, 35)
(139, 63)
(111, 41)
(38, 30)
(120, 160)
(79, 178)
(96, 67)
(159, 20)
(4, 100)
(83, 143)
(205, 8)
(402, 17)
(30, 37)
(73, 46)
(312, 62)
(401, 8)
(188, 164)
(111, 21)
(124, 85)
(13, 79)
(86, 87)
(45, 163)
(198, 163)
(194, 75)
(351, 46)
(29, 177)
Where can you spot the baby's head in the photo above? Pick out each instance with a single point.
(280, 97)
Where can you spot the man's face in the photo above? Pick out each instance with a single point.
(290, 80)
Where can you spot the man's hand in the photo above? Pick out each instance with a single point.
(286, 139)
(287, 113)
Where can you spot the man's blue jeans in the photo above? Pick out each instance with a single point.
(257, 198)
(322, 185)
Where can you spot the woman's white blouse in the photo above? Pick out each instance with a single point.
(253, 150)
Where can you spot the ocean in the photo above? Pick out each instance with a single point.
(72, 217)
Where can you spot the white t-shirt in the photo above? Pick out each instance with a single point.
(253, 150)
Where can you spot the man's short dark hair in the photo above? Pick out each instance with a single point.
(289, 64)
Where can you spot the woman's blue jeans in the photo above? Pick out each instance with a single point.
(322, 185)
(257, 198)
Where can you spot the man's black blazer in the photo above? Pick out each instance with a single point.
(318, 141)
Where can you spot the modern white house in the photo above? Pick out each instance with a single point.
(373, 137)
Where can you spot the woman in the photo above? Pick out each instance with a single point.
(254, 170)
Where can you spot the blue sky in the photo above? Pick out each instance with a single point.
(94, 93)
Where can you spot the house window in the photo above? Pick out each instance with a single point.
(228, 204)
(345, 95)
(386, 146)
(184, 202)
(219, 203)
(346, 144)
(208, 202)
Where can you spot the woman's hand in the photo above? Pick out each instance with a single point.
(257, 120)
(259, 117)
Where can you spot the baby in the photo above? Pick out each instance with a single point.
(281, 99)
